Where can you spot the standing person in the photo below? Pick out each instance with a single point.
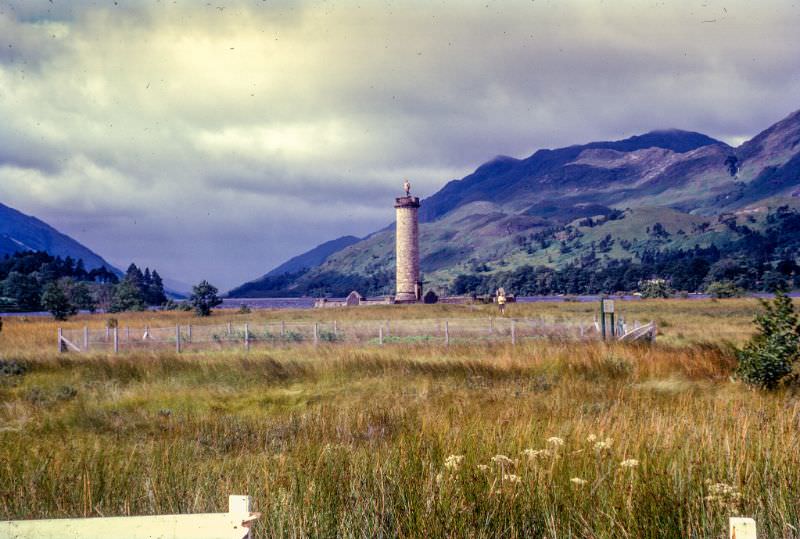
(501, 300)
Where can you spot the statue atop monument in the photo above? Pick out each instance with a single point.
(407, 187)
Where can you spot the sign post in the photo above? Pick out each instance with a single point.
(607, 308)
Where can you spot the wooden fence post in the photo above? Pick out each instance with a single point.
(380, 335)
(335, 329)
(446, 333)
(603, 319)
(742, 528)
(85, 338)
(246, 336)
(230, 329)
(177, 339)
(189, 333)
(116, 340)
(60, 341)
(513, 332)
(108, 333)
(316, 333)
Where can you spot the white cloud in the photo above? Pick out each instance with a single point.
(215, 143)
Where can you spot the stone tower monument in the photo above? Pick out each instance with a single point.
(409, 287)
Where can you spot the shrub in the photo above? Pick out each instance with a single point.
(723, 289)
(126, 297)
(12, 368)
(204, 298)
(329, 336)
(66, 393)
(770, 355)
(654, 288)
(55, 300)
(172, 305)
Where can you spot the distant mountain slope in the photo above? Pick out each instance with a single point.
(585, 204)
(314, 257)
(20, 232)
(297, 265)
(547, 172)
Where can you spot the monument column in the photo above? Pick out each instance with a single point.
(409, 287)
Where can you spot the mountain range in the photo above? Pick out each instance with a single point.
(298, 265)
(20, 232)
(561, 207)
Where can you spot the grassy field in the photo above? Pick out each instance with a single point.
(545, 439)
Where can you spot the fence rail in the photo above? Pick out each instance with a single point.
(376, 332)
(235, 524)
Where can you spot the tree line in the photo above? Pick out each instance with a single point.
(36, 281)
(755, 261)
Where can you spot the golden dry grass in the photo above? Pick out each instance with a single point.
(352, 441)
(680, 321)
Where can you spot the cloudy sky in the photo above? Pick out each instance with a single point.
(216, 139)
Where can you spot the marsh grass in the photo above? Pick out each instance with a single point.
(410, 439)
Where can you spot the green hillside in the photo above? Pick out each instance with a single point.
(663, 195)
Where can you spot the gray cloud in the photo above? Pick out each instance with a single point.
(215, 143)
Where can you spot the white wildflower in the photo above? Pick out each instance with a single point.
(603, 445)
(722, 493)
(533, 454)
(453, 462)
(482, 467)
(512, 478)
(578, 481)
(629, 463)
(591, 438)
(502, 460)
(723, 490)
(555, 441)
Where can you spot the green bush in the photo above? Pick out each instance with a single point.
(770, 355)
(55, 300)
(204, 298)
(9, 367)
(724, 289)
(654, 288)
(329, 336)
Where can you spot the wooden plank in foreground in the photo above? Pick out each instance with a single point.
(743, 528)
(232, 525)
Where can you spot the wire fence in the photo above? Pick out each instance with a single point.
(364, 332)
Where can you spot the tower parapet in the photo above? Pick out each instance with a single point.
(409, 286)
